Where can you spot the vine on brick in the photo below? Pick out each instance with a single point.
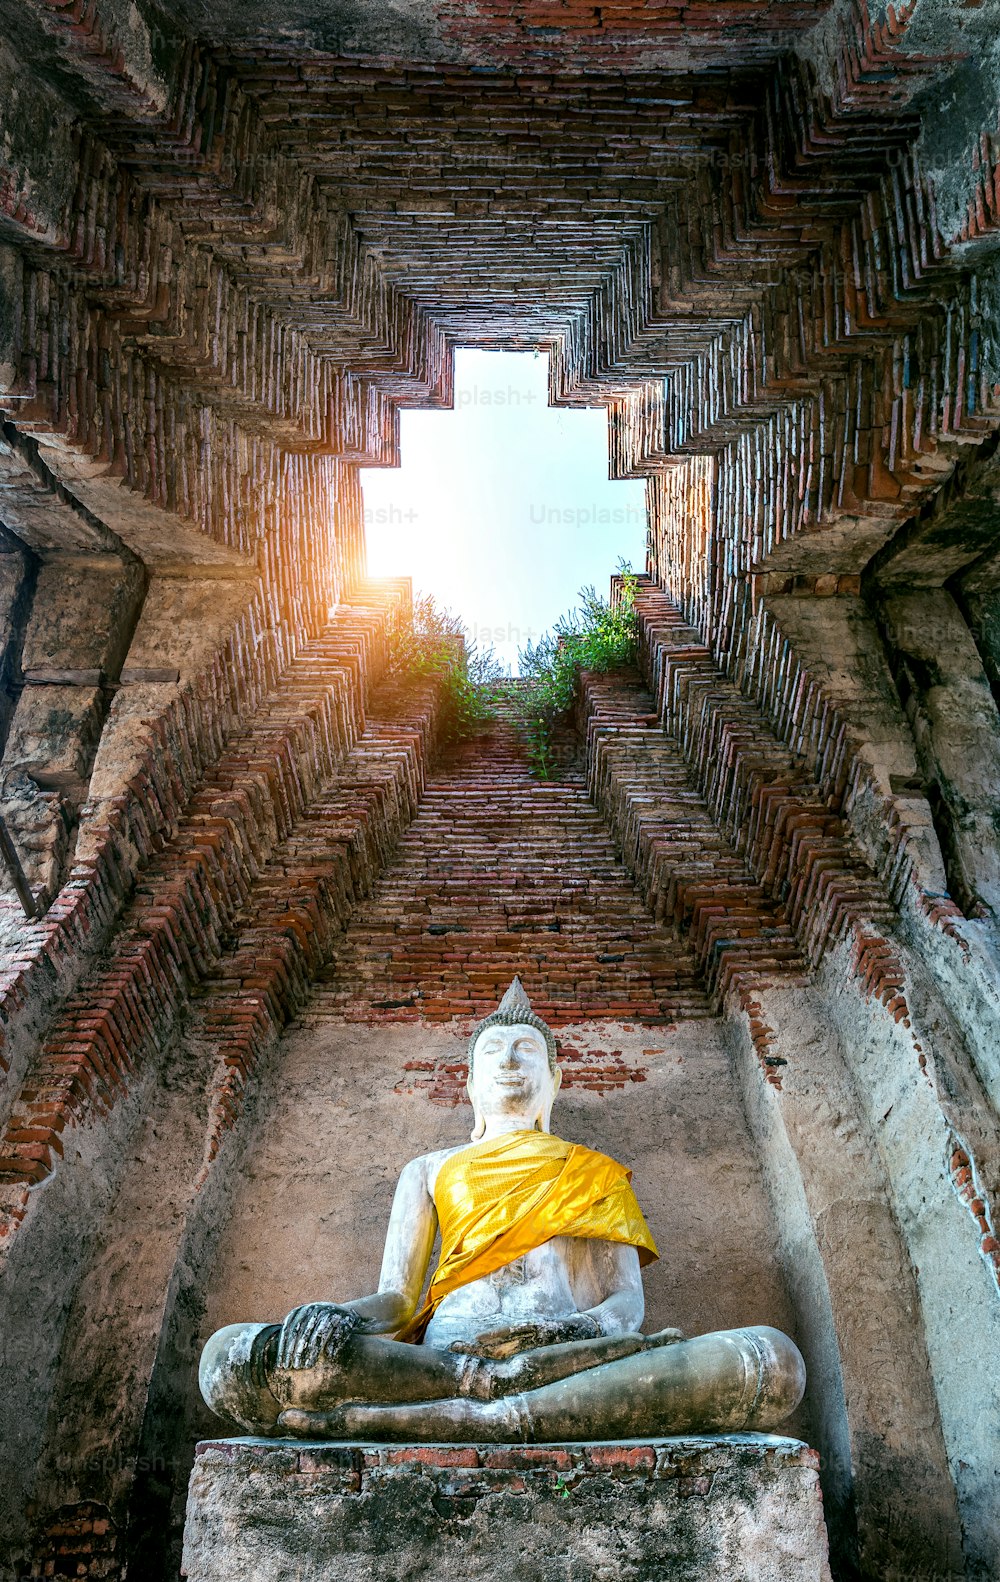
(599, 635)
(428, 640)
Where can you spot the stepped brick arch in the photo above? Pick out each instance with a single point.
(762, 896)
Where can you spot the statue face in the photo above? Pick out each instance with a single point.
(510, 1073)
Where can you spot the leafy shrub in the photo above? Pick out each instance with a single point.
(429, 640)
(596, 636)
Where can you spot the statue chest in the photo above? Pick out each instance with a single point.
(535, 1285)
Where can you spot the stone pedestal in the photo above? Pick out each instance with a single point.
(740, 1508)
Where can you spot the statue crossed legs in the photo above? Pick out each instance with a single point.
(531, 1329)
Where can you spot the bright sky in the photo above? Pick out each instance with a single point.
(503, 508)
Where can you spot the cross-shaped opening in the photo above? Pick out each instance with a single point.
(503, 507)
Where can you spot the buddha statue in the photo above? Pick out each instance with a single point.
(531, 1328)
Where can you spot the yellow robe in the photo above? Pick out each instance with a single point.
(500, 1199)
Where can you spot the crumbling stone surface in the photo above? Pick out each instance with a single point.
(746, 1507)
(82, 618)
(956, 729)
(54, 733)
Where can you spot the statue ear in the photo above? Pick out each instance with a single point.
(543, 1119)
(480, 1126)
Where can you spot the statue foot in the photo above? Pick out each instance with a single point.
(664, 1337)
(297, 1424)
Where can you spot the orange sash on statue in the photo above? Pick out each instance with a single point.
(500, 1199)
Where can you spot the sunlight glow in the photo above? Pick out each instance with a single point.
(502, 508)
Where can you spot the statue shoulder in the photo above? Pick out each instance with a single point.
(423, 1171)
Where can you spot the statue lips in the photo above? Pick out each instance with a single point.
(515, 1080)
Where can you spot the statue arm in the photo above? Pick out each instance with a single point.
(323, 1327)
(409, 1242)
(619, 1277)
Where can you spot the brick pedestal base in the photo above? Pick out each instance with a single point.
(743, 1508)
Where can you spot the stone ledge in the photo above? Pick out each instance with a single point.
(735, 1508)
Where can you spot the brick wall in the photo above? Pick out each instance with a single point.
(501, 873)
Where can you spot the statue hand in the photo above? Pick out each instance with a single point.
(499, 1344)
(315, 1330)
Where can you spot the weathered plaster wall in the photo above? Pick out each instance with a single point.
(888, 1482)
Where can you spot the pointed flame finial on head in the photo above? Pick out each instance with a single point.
(515, 999)
(514, 1009)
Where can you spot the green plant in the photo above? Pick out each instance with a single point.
(598, 635)
(429, 640)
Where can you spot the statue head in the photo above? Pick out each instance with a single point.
(512, 1065)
